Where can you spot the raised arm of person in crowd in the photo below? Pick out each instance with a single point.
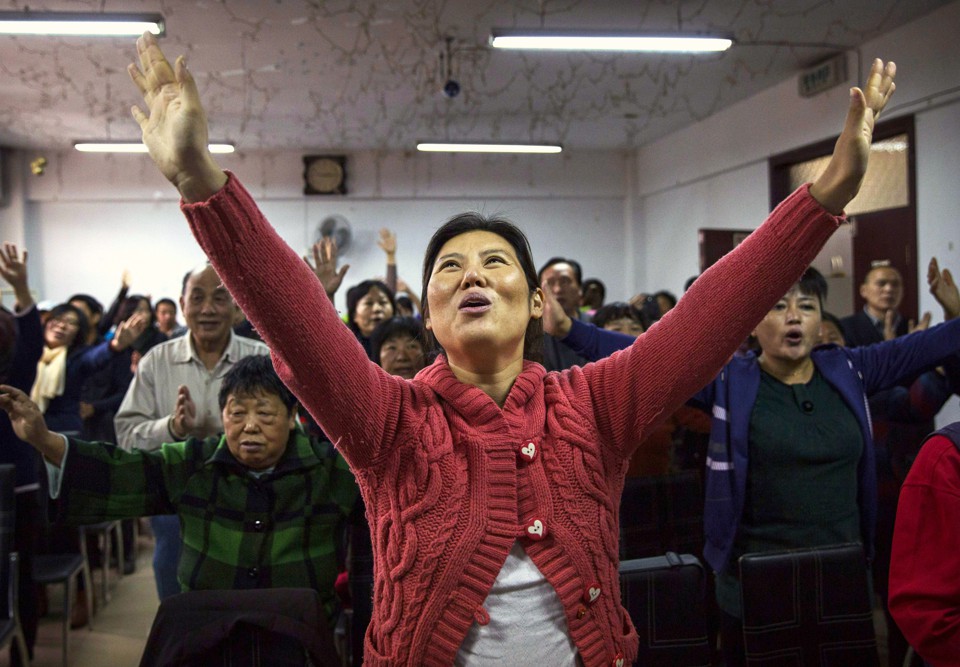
(588, 340)
(13, 268)
(325, 267)
(388, 244)
(28, 346)
(106, 322)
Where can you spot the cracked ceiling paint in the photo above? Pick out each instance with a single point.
(367, 74)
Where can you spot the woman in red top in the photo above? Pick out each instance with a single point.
(491, 486)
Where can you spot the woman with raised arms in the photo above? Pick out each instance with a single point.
(492, 487)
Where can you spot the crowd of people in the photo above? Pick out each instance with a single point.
(460, 453)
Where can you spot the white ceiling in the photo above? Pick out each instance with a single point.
(367, 74)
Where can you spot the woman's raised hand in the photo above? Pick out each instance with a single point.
(174, 126)
(129, 330)
(13, 269)
(840, 181)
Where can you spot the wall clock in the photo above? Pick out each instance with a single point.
(324, 175)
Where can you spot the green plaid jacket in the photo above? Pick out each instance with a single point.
(281, 530)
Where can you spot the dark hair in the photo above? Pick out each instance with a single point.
(835, 321)
(91, 303)
(165, 300)
(186, 279)
(80, 340)
(590, 282)
(509, 232)
(577, 271)
(393, 328)
(812, 283)
(357, 292)
(616, 310)
(690, 281)
(669, 296)
(254, 375)
(405, 302)
(128, 307)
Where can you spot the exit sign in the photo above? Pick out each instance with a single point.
(814, 80)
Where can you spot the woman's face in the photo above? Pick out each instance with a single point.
(402, 355)
(478, 299)
(792, 327)
(143, 308)
(371, 310)
(61, 330)
(830, 333)
(625, 325)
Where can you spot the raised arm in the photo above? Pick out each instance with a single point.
(29, 425)
(682, 352)
(388, 244)
(353, 400)
(13, 268)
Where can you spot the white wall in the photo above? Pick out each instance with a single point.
(714, 174)
(90, 217)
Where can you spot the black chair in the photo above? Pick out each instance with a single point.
(808, 607)
(66, 569)
(660, 514)
(664, 596)
(102, 532)
(10, 630)
(279, 627)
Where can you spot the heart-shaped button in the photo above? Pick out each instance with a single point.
(592, 593)
(536, 530)
(529, 451)
(618, 661)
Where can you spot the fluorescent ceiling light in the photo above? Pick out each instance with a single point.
(134, 147)
(80, 23)
(570, 40)
(451, 147)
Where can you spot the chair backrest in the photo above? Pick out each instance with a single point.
(660, 514)
(279, 627)
(8, 475)
(664, 596)
(808, 607)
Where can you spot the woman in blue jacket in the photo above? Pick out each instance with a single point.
(797, 415)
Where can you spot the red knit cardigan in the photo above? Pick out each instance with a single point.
(450, 479)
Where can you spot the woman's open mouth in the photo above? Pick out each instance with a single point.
(474, 302)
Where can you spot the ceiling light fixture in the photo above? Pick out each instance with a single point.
(463, 147)
(579, 40)
(80, 24)
(135, 147)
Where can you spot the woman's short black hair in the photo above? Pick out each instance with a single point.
(255, 375)
(509, 232)
(129, 306)
(357, 292)
(80, 340)
(392, 328)
(812, 283)
(617, 310)
(91, 303)
(669, 296)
